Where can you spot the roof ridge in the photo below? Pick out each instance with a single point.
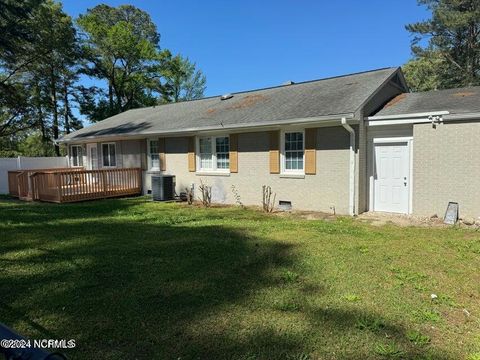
(274, 87)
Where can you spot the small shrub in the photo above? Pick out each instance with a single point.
(206, 194)
(236, 195)
(390, 350)
(417, 338)
(267, 202)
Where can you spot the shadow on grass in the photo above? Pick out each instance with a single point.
(129, 289)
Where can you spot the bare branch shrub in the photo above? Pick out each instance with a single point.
(236, 195)
(267, 202)
(206, 192)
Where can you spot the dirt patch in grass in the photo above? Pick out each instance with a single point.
(306, 215)
(379, 219)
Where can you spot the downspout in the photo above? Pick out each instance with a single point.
(352, 166)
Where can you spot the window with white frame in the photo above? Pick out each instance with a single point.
(214, 153)
(109, 155)
(293, 145)
(77, 155)
(153, 155)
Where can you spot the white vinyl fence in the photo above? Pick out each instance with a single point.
(21, 163)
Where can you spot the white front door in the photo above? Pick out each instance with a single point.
(92, 157)
(392, 177)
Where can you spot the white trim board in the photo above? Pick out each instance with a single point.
(408, 116)
(388, 140)
(414, 118)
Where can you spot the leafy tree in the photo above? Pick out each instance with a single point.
(16, 110)
(426, 73)
(57, 53)
(42, 58)
(16, 35)
(34, 145)
(38, 80)
(121, 46)
(17, 39)
(182, 81)
(446, 47)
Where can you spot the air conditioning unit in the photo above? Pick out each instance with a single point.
(163, 187)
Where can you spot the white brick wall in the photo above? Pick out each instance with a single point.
(329, 187)
(446, 167)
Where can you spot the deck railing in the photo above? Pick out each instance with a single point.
(19, 181)
(71, 186)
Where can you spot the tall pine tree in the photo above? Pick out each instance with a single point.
(446, 48)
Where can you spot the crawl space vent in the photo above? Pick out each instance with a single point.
(284, 205)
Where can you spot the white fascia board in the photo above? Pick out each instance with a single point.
(407, 116)
(460, 117)
(398, 122)
(413, 118)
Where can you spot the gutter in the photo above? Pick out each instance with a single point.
(413, 118)
(407, 116)
(347, 127)
(460, 117)
(419, 118)
(219, 127)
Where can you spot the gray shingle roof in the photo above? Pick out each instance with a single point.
(456, 101)
(332, 96)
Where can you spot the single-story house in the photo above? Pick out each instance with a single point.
(353, 143)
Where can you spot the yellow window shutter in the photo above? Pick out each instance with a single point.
(161, 154)
(310, 151)
(275, 152)
(191, 153)
(234, 153)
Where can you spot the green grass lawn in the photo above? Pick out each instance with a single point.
(129, 278)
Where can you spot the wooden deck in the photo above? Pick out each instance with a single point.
(74, 184)
(19, 181)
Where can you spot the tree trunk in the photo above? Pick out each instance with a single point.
(110, 96)
(41, 121)
(55, 110)
(66, 107)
